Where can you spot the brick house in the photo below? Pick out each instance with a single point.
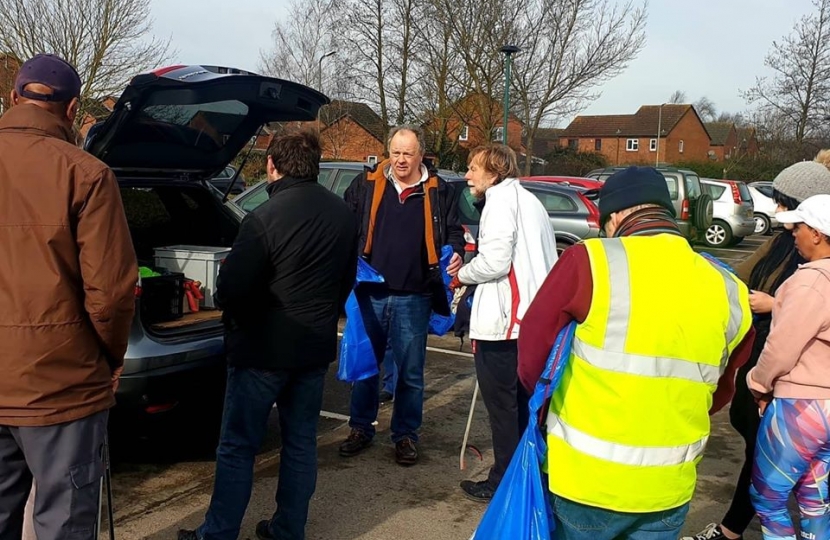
(478, 119)
(633, 139)
(351, 131)
(724, 140)
(747, 142)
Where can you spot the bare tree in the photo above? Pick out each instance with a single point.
(705, 107)
(796, 97)
(678, 97)
(108, 41)
(476, 34)
(301, 41)
(569, 48)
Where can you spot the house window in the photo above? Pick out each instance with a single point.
(573, 144)
(371, 160)
(498, 133)
(465, 133)
(652, 145)
(632, 145)
(597, 144)
(680, 147)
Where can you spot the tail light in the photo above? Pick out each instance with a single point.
(469, 239)
(684, 210)
(593, 211)
(736, 194)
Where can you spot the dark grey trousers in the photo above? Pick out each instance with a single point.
(66, 461)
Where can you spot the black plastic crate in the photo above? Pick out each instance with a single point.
(162, 298)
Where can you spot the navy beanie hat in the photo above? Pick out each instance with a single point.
(632, 187)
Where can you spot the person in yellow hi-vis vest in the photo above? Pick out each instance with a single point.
(661, 332)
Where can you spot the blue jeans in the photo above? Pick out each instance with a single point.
(249, 398)
(402, 321)
(390, 372)
(576, 521)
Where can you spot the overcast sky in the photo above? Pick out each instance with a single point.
(716, 50)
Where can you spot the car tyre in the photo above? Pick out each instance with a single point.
(561, 246)
(718, 235)
(704, 207)
(762, 224)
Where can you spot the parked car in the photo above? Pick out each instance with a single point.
(765, 207)
(694, 207)
(574, 217)
(336, 176)
(168, 134)
(587, 183)
(733, 215)
(222, 180)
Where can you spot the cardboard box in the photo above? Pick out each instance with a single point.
(199, 263)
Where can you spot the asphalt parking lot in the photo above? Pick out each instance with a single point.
(163, 484)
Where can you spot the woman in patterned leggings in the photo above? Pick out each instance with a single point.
(793, 447)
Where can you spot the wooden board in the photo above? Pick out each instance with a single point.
(190, 318)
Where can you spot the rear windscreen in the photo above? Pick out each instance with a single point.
(746, 196)
(693, 189)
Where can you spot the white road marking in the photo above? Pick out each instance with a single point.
(334, 416)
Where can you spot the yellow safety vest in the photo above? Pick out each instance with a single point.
(629, 421)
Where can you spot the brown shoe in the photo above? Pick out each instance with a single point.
(355, 443)
(406, 453)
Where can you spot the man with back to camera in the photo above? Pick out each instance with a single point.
(67, 281)
(282, 289)
(650, 361)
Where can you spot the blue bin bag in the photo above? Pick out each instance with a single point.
(441, 324)
(520, 509)
(357, 357)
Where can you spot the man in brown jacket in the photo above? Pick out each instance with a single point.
(67, 278)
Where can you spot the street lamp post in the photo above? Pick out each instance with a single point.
(508, 51)
(618, 145)
(320, 69)
(659, 131)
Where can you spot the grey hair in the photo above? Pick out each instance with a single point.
(419, 134)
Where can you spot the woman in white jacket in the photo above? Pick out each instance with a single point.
(516, 250)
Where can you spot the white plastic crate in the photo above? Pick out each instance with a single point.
(199, 263)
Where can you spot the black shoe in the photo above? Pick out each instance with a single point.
(184, 534)
(355, 444)
(478, 491)
(262, 531)
(406, 453)
(711, 532)
(385, 397)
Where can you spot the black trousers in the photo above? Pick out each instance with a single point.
(743, 415)
(505, 398)
(66, 461)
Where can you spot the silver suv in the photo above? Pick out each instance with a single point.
(693, 207)
(169, 134)
(733, 216)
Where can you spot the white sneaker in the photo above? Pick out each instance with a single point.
(711, 532)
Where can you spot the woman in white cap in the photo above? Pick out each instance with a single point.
(764, 272)
(793, 377)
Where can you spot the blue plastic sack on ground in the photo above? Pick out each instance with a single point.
(520, 509)
(357, 357)
(441, 324)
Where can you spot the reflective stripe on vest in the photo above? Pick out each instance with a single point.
(625, 454)
(630, 420)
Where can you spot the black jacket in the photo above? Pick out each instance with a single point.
(286, 280)
(447, 229)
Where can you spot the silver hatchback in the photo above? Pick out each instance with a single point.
(733, 213)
